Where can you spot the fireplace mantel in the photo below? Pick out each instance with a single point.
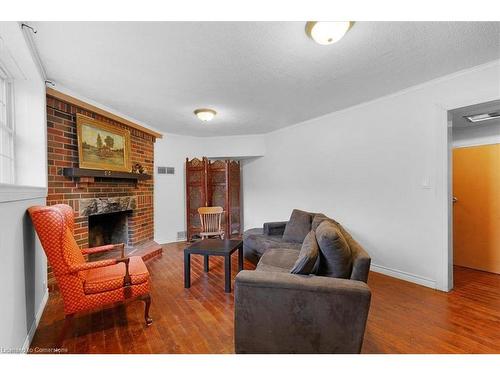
(81, 172)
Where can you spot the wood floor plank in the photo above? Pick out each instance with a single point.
(404, 317)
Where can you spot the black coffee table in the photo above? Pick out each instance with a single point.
(213, 247)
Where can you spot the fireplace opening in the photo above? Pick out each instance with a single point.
(108, 228)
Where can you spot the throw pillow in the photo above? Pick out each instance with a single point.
(335, 253)
(297, 227)
(308, 261)
(318, 219)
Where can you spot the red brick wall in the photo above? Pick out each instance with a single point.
(63, 152)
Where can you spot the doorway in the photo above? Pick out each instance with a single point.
(476, 187)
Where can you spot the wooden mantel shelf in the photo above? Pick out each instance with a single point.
(80, 172)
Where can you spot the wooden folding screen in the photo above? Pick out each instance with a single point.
(213, 183)
(196, 193)
(233, 197)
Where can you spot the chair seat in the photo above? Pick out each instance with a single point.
(108, 278)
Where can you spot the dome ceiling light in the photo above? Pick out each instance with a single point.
(325, 33)
(205, 114)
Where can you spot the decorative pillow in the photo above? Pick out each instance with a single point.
(308, 261)
(335, 253)
(318, 219)
(298, 226)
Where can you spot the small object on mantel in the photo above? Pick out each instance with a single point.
(81, 172)
(138, 168)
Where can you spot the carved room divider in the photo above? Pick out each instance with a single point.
(213, 183)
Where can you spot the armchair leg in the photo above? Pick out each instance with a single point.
(68, 322)
(147, 300)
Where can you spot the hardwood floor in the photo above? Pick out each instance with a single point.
(404, 317)
(407, 318)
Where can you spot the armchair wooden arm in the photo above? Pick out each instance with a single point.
(127, 281)
(101, 249)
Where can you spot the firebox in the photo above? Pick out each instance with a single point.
(110, 228)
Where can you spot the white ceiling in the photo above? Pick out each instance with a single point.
(258, 76)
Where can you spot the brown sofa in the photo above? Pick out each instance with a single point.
(280, 312)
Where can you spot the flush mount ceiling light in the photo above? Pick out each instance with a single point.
(483, 117)
(325, 33)
(205, 114)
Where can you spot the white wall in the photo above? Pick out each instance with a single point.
(170, 193)
(24, 266)
(380, 168)
(23, 277)
(477, 135)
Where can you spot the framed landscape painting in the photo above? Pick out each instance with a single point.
(102, 146)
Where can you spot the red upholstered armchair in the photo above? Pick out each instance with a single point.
(87, 285)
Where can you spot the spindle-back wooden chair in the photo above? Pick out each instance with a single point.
(211, 222)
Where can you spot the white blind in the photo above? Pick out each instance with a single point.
(6, 130)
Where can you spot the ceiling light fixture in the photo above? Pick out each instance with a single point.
(205, 114)
(325, 33)
(483, 117)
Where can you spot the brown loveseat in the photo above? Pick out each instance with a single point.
(280, 312)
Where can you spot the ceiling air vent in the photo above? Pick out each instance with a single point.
(482, 117)
(166, 170)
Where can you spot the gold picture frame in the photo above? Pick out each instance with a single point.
(102, 146)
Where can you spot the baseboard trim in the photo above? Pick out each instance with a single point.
(34, 326)
(404, 276)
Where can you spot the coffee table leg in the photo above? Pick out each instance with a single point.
(205, 263)
(240, 259)
(187, 270)
(227, 273)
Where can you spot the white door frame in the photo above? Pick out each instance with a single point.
(445, 181)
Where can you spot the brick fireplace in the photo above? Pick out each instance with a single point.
(103, 205)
